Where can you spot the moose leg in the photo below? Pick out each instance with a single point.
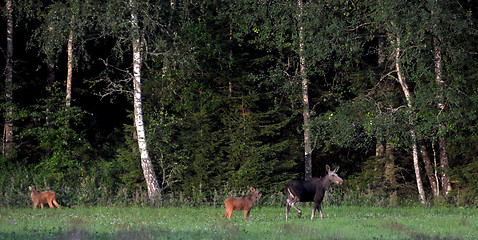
(298, 210)
(287, 210)
(291, 203)
(317, 206)
(320, 211)
(319, 196)
(41, 205)
(50, 204)
(313, 211)
(228, 213)
(56, 203)
(247, 213)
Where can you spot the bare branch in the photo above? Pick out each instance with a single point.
(117, 86)
(105, 62)
(393, 110)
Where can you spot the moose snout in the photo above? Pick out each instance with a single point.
(340, 182)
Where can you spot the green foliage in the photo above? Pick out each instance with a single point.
(14, 187)
(168, 157)
(465, 178)
(222, 97)
(64, 148)
(58, 19)
(128, 162)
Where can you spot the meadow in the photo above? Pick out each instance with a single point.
(340, 222)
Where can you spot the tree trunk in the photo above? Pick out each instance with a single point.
(446, 185)
(390, 164)
(305, 98)
(8, 125)
(381, 48)
(379, 149)
(50, 80)
(69, 74)
(148, 170)
(429, 170)
(406, 91)
(445, 181)
(384, 154)
(390, 172)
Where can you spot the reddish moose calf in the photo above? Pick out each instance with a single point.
(241, 203)
(39, 197)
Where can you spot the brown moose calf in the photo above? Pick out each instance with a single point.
(39, 197)
(241, 203)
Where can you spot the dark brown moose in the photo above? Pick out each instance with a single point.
(39, 197)
(241, 203)
(312, 190)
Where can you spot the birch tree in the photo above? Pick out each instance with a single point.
(69, 74)
(402, 80)
(305, 95)
(398, 24)
(426, 40)
(437, 60)
(430, 170)
(146, 164)
(8, 125)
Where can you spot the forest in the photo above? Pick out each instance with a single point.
(110, 101)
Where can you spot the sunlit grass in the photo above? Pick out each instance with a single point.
(265, 223)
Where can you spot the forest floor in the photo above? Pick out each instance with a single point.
(344, 222)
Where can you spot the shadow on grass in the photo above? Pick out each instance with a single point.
(399, 227)
(300, 231)
(140, 234)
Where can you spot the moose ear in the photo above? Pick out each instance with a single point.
(327, 168)
(336, 169)
(252, 189)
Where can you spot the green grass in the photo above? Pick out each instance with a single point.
(346, 222)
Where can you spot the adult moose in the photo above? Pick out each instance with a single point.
(310, 190)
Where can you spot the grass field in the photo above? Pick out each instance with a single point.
(346, 222)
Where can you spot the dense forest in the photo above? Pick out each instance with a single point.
(114, 100)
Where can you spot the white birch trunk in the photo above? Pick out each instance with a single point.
(446, 185)
(69, 74)
(148, 170)
(8, 125)
(413, 134)
(305, 98)
(429, 170)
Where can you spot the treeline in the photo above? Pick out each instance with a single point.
(240, 93)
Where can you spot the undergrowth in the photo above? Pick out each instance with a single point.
(15, 194)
